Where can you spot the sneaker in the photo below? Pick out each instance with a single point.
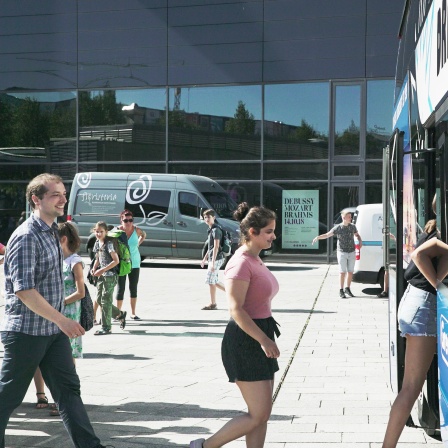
(197, 443)
(135, 318)
(122, 319)
(342, 294)
(348, 292)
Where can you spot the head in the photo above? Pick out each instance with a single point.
(252, 220)
(209, 217)
(126, 217)
(39, 186)
(68, 233)
(100, 230)
(346, 216)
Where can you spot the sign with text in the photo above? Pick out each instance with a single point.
(300, 218)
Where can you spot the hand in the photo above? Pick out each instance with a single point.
(98, 273)
(270, 348)
(202, 263)
(71, 328)
(314, 240)
(212, 267)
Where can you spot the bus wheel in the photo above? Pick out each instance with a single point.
(381, 279)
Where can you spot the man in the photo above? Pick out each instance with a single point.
(345, 232)
(34, 332)
(214, 256)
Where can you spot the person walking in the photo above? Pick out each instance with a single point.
(345, 232)
(417, 319)
(136, 236)
(34, 332)
(106, 258)
(214, 257)
(249, 351)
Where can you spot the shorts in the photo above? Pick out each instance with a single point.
(212, 277)
(242, 356)
(417, 313)
(346, 261)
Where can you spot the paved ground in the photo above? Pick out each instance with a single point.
(160, 382)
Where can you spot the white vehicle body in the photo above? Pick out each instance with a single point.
(369, 267)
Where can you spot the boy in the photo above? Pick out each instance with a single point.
(214, 257)
(345, 232)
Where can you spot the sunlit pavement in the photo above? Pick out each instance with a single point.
(160, 382)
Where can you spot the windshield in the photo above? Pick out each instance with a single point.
(221, 203)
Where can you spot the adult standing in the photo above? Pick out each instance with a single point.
(136, 236)
(249, 351)
(345, 232)
(34, 331)
(417, 319)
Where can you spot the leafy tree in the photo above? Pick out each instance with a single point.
(5, 124)
(348, 141)
(30, 125)
(305, 132)
(100, 110)
(243, 122)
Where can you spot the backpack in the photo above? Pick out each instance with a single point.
(120, 242)
(226, 242)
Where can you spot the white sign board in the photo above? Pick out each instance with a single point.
(300, 218)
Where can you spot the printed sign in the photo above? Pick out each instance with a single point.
(300, 218)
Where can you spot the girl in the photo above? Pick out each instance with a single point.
(74, 291)
(106, 258)
(249, 351)
(417, 318)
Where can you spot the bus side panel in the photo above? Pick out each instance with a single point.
(442, 351)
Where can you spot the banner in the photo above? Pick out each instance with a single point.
(300, 218)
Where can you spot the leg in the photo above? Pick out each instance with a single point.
(221, 286)
(133, 283)
(258, 397)
(351, 259)
(419, 354)
(212, 294)
(60, 375)
(120, 291)
(95, 309)
(107, 290)
(349, 279)
(342, 279)
(42, 400)
(22, 355)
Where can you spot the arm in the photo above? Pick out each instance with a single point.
(324, 236)
(215, 254)
(236, 291)
(359, 240)
(141, 235)
(36, 303)
(79, 281)
(423, 255)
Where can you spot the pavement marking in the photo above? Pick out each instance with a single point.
(291, 359)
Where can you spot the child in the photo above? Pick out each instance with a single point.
(106, 258)
(214, 256)
(74, 289)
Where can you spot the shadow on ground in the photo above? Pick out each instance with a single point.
(134, 424)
